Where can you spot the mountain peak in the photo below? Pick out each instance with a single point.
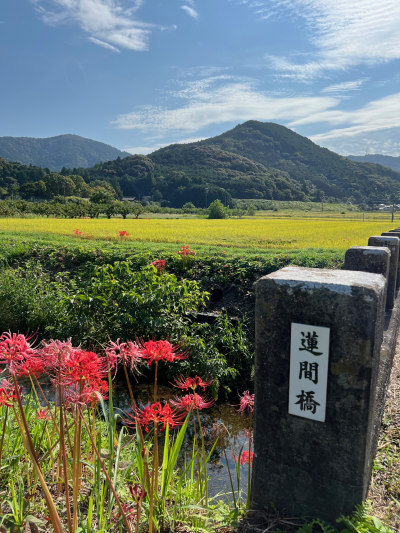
(67, 150)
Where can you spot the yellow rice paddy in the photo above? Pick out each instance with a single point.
(240, 233)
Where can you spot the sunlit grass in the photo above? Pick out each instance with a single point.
(238, 233)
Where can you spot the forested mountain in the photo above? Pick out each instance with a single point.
(384, 160)
(255, 160)
(278, 147)
(57, 152)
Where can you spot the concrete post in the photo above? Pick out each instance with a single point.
(368, 259)
(393, 244)
(315, 464)
(394, 233)
(372, 259)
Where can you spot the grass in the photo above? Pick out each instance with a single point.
(262, 234)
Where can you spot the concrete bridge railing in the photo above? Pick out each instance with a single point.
(325, 341)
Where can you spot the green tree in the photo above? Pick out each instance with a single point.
(137, 209)
(217, 210)
(101, 196)
(110, 209)
(80, 185)
(251, 210)
(123, 208)
(56, 184)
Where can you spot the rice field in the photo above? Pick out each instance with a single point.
(237, 233)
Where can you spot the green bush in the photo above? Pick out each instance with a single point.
(118, 302)
(30, 301)
(217, 210)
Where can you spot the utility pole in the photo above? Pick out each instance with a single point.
(393, 211)
(322, 203)
(206, 196)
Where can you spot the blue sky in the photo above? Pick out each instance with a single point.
(141, 74)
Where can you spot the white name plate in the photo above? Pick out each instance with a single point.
(309, 355)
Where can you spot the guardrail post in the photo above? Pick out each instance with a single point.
(393, 244)
(317, 358)
(394, 233)
(372, 259)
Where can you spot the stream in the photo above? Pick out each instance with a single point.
(221, 422)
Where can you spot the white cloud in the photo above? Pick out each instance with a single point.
(344, 33)
(109, 21)
(191, 11)
(103, 44)
(345, 86)
(191, 140)
(219, 100)
(373, 142)
(229, 99)
(144, 150)
(203, 71)
(378, 115)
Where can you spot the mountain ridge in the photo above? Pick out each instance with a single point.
(254, 160)
(389, 161)
(67, 150)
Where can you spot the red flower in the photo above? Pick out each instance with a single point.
(123, 234)
(161, 351)
(246, 402)
(55, 353)
(128, 352)
(191, 383)
(244, 458)
(7, 393)
(30, 367)
(137, 492)
(159, 264)
(248, 433)
(77, 232)
(185, 251)
(81, 366)
(43, 414)
(14, 349)
(191, 401)
(74, 396)
(156, 414)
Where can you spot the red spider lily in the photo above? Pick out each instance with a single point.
(55, 353)
(43, 414)
(123, 234)
(246, 402)
(84, 367)
(14, 349)
(7, 393)
(30, 367)
(137, 492)
(129, 512)
(185, 251)
(244, 458)
(128, 352)
(191, 402)
(159, 264)
(154, 351)
(77, 232)
(156, 414)
(191, 383)
(75, 395)
(249, 433)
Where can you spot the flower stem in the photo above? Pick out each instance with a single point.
(2, 436)
(128, 527)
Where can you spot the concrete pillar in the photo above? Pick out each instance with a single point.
(372, 259)
(394, 233)
(368, 259)
(315, 464)
(393, 244)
